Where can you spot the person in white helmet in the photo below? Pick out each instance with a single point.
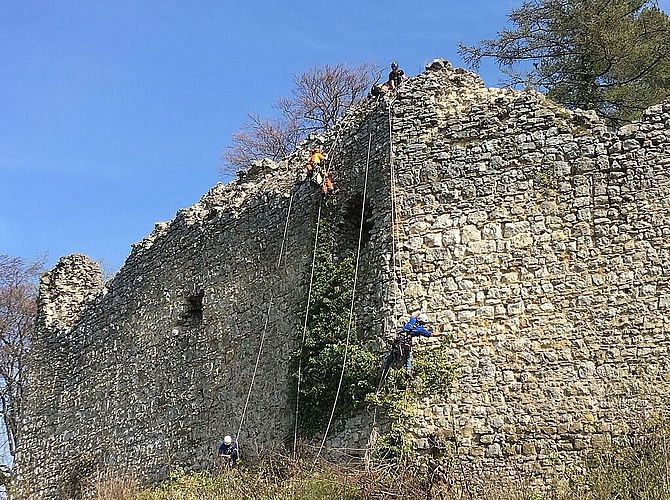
(228, 450)
(402, 345)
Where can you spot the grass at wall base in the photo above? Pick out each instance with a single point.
(636, 468)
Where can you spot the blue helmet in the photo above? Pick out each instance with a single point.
(394, 65)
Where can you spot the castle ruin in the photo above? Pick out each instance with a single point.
(537, 237)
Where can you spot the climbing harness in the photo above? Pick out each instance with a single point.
(400, 349)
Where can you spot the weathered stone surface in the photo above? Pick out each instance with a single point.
(537, 238)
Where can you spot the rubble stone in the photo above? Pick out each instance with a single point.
(537, 238)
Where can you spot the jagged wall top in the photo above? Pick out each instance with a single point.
(153, 372)
(65, 290)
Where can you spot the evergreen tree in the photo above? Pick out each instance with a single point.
(611, 56)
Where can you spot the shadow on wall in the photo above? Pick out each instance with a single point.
(350, 227)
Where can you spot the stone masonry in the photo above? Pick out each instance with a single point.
(537, 238)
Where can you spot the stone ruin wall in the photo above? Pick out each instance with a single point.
(149, 371)
(540, 239)
(536, 237)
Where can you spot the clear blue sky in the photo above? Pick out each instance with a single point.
(114, 114)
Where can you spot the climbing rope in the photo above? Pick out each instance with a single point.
(396, 269)
(265, 328)
(304, 330)
(395, 217)
(353, 297)
(396, 265)
(309, 299)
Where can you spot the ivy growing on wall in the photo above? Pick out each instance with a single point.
(432, 376)
(433, 372)
(322, 353)
(322, 356)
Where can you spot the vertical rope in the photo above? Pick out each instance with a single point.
(394, 215)
(395, 264)
(265, 328)
(332, 150)
(353, 296)
(304, 330)
(395, 218)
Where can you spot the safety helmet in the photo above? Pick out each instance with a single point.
(227, 440)
(423, 318)
(394, 65)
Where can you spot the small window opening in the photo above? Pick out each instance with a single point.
(193, 312)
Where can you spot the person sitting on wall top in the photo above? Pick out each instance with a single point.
(396, 76)
(228, 451)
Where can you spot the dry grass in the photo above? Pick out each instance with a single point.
(115, 487)
(636, 469)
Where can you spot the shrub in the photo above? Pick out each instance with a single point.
(323, 352)
(635, 468)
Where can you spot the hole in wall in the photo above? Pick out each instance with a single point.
(350, 225)
(192, 315)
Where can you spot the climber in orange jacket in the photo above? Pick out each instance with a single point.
(327, 184)
(315, 160)
(317, 171)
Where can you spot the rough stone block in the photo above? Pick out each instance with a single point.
(556, 299)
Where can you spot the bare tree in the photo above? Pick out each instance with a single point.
(321, 95)
(260, 138)
(18, 291)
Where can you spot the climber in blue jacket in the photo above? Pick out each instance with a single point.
(414, 326)
(402, 345)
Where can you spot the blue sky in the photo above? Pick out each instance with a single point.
(114, 114)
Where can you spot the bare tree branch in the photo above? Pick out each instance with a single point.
(321, 95)
(18, 290)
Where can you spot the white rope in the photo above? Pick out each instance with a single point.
(394, 217)
(265, 328)
(304, 330)
(395, 266)
(332, 150)
(353, 296)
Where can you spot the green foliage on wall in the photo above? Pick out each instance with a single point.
(322, 357)
(432, 375)
(433, 372)
(322, 354)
